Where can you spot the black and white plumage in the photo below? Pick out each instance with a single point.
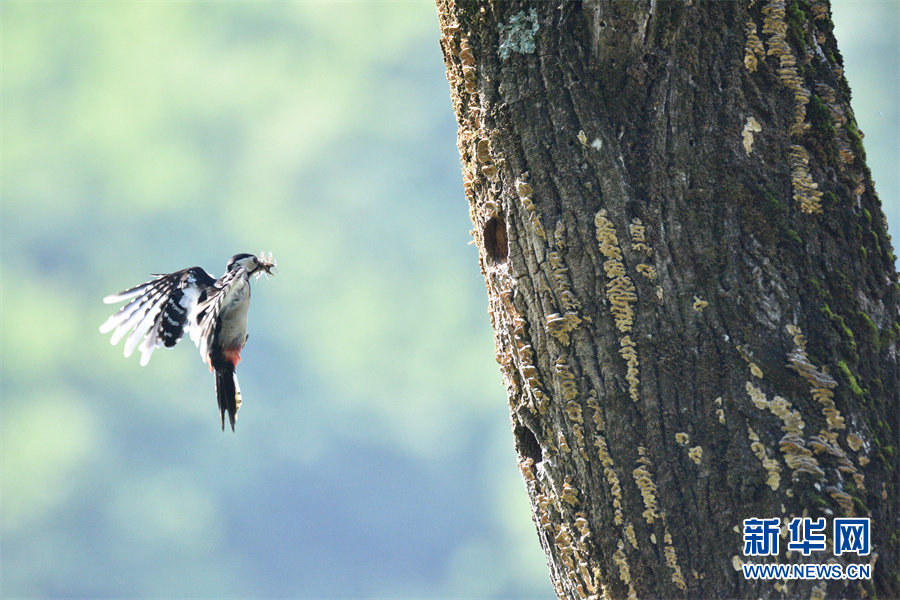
(213, 311)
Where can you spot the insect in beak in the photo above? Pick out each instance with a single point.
(265, 265)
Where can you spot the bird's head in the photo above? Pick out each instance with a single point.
(254, 265)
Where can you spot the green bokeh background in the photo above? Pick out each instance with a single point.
(373, 454)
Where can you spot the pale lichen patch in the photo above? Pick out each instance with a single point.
(750, 127)
(518, 33)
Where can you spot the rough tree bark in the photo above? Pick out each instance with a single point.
(691, 285)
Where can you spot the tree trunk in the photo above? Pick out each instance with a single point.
(691, 285)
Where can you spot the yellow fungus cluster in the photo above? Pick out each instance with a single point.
(573, 410)
(561, 274)
(525, 191)
(527, 367)
(640, 245)
(819, 11)
(839, 118)
(620, 291)
(769, 464)
(820, 382)
(827, 442)
(648, 488)
(560, 326)
(753, 50)
(720, 412)
(468, 65)
(485, 159)
(798, 457)
(648, 271)
(818, 592)
(559, 235)
(544, 504)
(624, 573)
(526, 466)
(776, 28)
(597, 412)
(578, 432)
(615, 489)
(629, 535)
(781, 408)
(639, 242)
(750, 127)
(629, 354)
(843, 500)
(696, 454)
(797, 336)
(573, 554)
(806, 191)
(581, 524)
(854, 442)
(565, 379)
(699, 304)
(569, 493)
(672, 561)
(564, 542)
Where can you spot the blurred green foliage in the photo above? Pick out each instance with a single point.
(373, 456)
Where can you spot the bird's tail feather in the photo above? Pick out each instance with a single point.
(228, 392)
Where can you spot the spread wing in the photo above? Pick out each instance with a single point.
(159, 309)
(210, 303)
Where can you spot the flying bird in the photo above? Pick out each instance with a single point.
(213, 311)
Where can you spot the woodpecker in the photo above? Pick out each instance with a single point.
(213, 311)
